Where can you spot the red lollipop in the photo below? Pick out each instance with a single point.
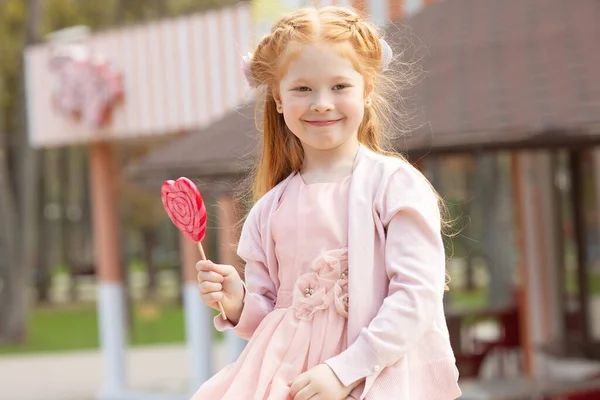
(185, 207)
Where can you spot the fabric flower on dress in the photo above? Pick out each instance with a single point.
(340, 297)
(310, 296)
(325, 285)
(329, 264)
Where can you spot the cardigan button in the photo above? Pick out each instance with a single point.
(376, 368)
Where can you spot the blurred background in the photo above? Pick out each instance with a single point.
(101, 101)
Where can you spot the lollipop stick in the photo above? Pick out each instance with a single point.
(203, 256)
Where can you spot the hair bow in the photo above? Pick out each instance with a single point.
(386, 54)
(246, 69)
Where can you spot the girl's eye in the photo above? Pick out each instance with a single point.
(340, 86)
(303, 89)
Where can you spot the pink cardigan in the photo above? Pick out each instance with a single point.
(397, 333)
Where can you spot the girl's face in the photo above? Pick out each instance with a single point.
(322, 97)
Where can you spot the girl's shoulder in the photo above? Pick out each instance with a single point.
(263, 206)
(396, 183)
(383, 164)
(400, 185)
(393, 170)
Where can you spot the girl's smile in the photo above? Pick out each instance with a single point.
(320, 123)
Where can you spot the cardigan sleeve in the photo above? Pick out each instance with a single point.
(415, 267)
(260, 290)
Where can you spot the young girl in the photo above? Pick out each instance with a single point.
(345, 265)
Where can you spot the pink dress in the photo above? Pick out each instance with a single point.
(308, 324)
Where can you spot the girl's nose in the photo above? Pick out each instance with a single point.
(321, 104)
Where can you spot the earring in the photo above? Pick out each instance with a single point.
(279, 108)
(368, 102)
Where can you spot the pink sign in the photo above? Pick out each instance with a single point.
(87, 86)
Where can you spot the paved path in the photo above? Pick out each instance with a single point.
(77, 375)
(153, 373)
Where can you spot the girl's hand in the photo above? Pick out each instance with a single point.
(221, 283)
(320, 382)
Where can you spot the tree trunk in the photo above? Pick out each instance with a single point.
(74, 238)
(47, 222)
(175, 236)
(12, 293)
(43, 283)
(149, 238)
(18, 214)
(496, 229)
(469, 210)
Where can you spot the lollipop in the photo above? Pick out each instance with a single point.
(185, 207)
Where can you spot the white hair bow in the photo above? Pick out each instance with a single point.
(386, 54)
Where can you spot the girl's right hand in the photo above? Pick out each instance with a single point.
(221, 283)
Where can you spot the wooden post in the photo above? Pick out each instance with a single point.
(537, 222)
(108, 268)
(519, 196)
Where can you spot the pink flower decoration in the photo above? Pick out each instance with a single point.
(340, 297)
(325, 285)
(310, 296)
(329, 265)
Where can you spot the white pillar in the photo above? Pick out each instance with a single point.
(199, 336)
(228, 235)
(111, 318)
(198, 318)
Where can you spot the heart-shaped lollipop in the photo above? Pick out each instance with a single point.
(184, 205)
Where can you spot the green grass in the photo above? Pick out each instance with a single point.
(76, 328)
(468, 299)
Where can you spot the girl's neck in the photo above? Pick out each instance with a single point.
(330, 165)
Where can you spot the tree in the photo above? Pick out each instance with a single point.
(17, 196)
(497, 224)
(12, 280)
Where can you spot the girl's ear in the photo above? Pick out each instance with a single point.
(369, 88)
(278, 103)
